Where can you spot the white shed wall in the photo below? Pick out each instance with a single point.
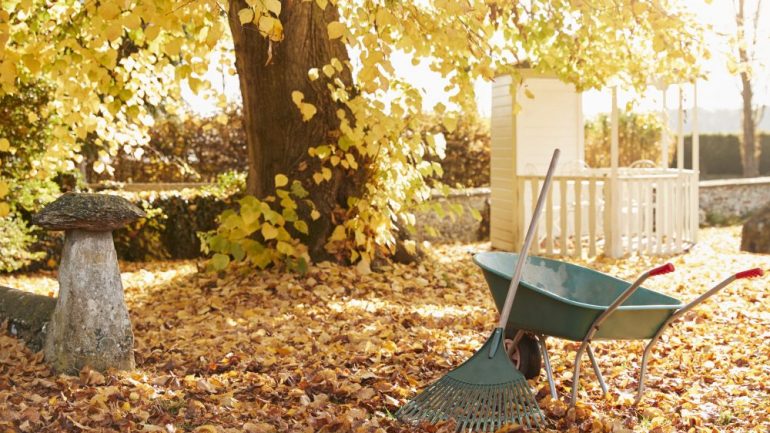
(553, 118)
(523, 143)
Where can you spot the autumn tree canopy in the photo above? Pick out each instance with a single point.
(336, 159)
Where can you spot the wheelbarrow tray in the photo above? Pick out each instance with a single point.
(562, 300)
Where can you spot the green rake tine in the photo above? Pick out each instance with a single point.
(457, 408)
(533, 413)
(462, 418)
(467, 406)
(478, 410)
(493, 411)
(501, 408)
(441, 401)
(429, 403)
(510, 410)
(516, 405)
(424, 401)
(522, 404)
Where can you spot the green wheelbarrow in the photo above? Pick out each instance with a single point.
(568, 301)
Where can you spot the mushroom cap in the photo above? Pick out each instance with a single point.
(91, 212)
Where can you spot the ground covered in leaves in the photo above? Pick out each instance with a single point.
(337, 350)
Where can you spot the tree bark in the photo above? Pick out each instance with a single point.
(749, 147)
(277, 137)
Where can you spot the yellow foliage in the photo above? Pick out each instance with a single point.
(336, 29)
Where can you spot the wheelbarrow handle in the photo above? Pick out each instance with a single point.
(751, 273)
(660, 270)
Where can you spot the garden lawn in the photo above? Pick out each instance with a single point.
(336, 350)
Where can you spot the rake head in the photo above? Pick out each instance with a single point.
(485, 393)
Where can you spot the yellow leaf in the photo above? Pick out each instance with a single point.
(328, 70)
(266, 24)
(3, 189)
(109, 10)
(318, 178)
(220, 261)
(277, 34)
(281, 180)
(315, 214)
(313, 74)
(297, 97)
(384, 17)
(336, 29)
(99, 166)
(326, 172)
(5, 145)
(322, 3)
(301, 227)
(245, 16)
(268, 231)
(274, 6)
(4, 209)
(338, 234)
(528, 93)
(308, 111)
(285, 248)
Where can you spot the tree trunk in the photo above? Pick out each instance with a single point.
(749, 147)
(277, 137)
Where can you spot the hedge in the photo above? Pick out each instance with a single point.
(170, 230)
(720, 155)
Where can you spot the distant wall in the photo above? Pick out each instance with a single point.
(727, 199)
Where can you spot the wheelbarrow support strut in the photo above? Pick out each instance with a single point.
(597, 323)
(679, 313)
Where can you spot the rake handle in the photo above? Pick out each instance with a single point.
(506, 312)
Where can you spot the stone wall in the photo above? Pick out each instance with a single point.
(725, 200)
(455, 226)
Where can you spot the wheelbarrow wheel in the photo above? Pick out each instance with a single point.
(526, 356)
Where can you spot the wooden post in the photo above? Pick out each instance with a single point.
(614, 242)
(695, 164)
(679, 213)
(664, 131)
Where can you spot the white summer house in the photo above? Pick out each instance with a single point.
(645, 208)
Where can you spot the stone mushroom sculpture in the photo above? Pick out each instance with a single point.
(90, 324)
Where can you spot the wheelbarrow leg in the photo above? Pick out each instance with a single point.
(597, 323)
(751, 273)
(597, 371)
(645, 357)
(547, 361)
(576, 373)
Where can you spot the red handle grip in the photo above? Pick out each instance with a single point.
(751, 273)
(660, 270)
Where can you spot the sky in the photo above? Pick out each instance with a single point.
(719, 91)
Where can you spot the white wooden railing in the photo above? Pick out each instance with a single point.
(640, 210)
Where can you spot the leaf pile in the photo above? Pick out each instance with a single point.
(338, 350)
